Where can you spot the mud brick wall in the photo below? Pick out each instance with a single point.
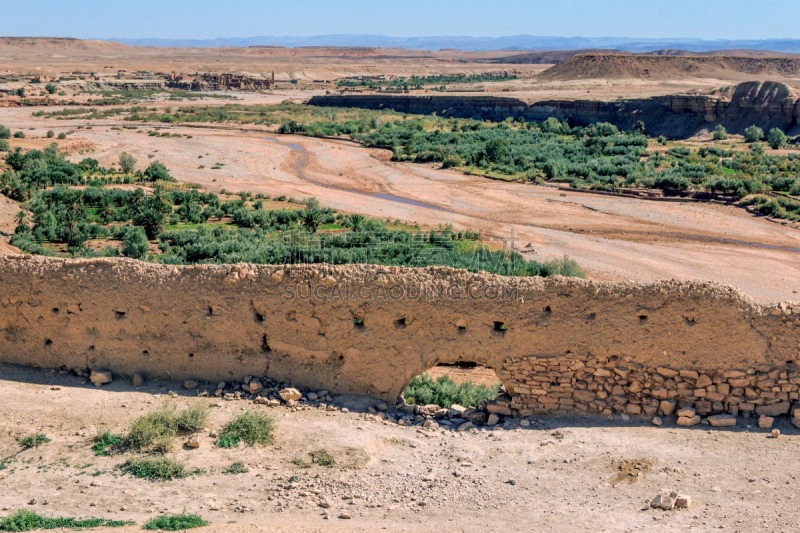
(558, 344)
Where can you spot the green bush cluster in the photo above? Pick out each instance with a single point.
(156, 430)
(176, 522)
(252, 427)
(445, 392)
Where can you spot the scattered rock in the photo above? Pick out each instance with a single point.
(466, 426)
(776, 433)
(682, 501)
(138, 380)
(657, 421)
(345, 516)
(190, 385)
(101, 377)
(290, 394)
(492, 420)
(324, 503)
(193, 442)
(312, 396)
(381, 407)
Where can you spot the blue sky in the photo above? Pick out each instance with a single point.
(207, 19)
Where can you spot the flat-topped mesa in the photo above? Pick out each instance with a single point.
(368, 329)
(765, 104)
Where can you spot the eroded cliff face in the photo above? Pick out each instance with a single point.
(368, 329)
(766, 104)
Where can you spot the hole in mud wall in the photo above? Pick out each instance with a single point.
(548, 310)
(642, 318)
(146, 352)
(48, 342)
(265, 344)
(500, 326)
(191, 355)
(210, 311)
(119, 314)
(260, 318)
(592, 316)
(91, 348)
(358, 323)
(55, 309)
(465, 383)
(400, 322)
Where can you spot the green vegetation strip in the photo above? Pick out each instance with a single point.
(23, 520)
(176, 522)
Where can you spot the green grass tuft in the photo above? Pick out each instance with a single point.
(445, 392)
(34, 441)
(322, 458)
(160, 469)
(237, 468)
(23, 520)
(176, 522)
(155, 431)
(104, 442)
(252, 427)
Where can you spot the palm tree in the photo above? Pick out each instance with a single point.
(356, 222)
(70, 220)
(21, 218)
(311, 219)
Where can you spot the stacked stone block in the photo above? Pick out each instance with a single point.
(608, 385)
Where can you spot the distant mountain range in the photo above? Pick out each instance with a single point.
(517, 42)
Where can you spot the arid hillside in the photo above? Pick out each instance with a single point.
(665, 67)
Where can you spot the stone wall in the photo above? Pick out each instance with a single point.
(558, 344)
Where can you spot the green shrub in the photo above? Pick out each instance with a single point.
(720, 133)
(34, 441)
(105, 441)
(156, 430)
(237, 468)
(23, 520)
(252, 427)
(176, 522)
(4, 146)
(158, 469)
(444, 392)
(19, 135)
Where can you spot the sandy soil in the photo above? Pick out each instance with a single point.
(504, 480)
(613, 238)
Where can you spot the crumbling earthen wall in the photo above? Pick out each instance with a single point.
(558, 344)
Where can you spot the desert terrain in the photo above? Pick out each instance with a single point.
(565, 473)
(559, 473)
(613, 238)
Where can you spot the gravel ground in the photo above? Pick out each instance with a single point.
(563, 473)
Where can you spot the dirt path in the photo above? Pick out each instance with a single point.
(478, 481)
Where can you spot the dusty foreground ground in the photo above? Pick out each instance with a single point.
(560, 474)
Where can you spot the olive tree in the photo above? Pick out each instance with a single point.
(753, 134)
(127, 163)
(777, 139)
